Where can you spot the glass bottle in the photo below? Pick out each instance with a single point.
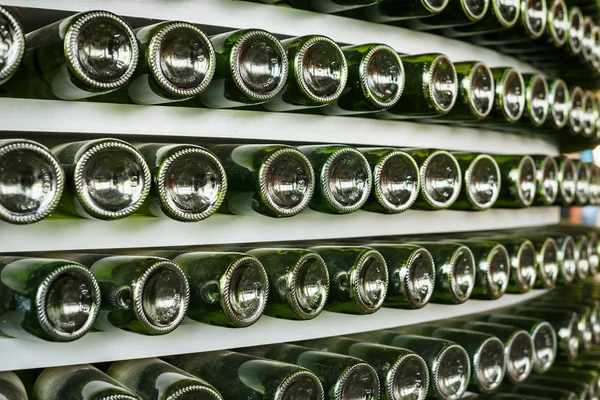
(523, 259)
(456, 13)
(252, 68)
(575, 31)
(375, 80)
(533, 392)
(240, 376)
(481, 182)
(576, 115)
(582, 257)
(567, 181)
(547, 180)
(501, 15)
(581, 183)
(317, 74)
(576, 372)
(567, 262)
(396, 180)
(79, 382)
(536, 96)
(152, 378)
(397, 10)
(189, 182)
(178, 62)
(272, 180)
(299, 282)
(329, 6)
(11, 387)
(85, 55)
(509, 102)
(107, 178)
(581, 389)
(359, 278)
(344, 178)
(590, 114)
(31, 181)
(594, 252)
(441, 179)
(518, 186)
(546, 261)
(559, 103)
(493, 268)
(55, 300)
(14, 41)
(228, 289)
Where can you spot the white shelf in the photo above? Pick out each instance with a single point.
(193, 337)
(76, 234)
(100, 119)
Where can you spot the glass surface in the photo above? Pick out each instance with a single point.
(164, 297)
(348, 179)
(560, 106)
(544, 345)
(441, 178)
(384, 76)
(499, 271)
(569, 265)
(421, 278)
(535, 16)
(527, 184)
(538, 104)
(575, 29)
(372, 281)
(303, 388)
(398, 180)
(549, 264)
(568, 184)
(322, 69)
(490, 369)
(526, 273)
(361, 384)
(260, 64)
(560, 22)
(184, 58)
(9, 46)
(311, 286)
(436, 4)
(513, 96)
(507, 9)
(549, 180)
(520, 357)
(248, 290)
(453, 374)
(69, 302)
(576, 115)
(581, 185)
(476, 8)
(444, 87)
(410, 380)
(288, 181)
(484, 182)
(482, 93)
(464, 273)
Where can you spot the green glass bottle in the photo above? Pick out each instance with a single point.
(397, 10)
(359, 278)
(581, 257)
(576, 115)
(252, 68)
(55, 300)
(509, 102)
(441, 179)
(13, 39)
(543, 336)
(536, 97)
(518, 186)
(31, 181)
(189, 182)
(375, 80)
(567, 263)
(178, 62)
(523, 259)
(329, 6)
(559, 105)
(431, 90)
(566, 181)
(534, 392)
(411, 271)
(594, 183)
(493, 269)
(590, 114)
(501, 15)
(518, 345)
(580, 389)
(456, 13)
(481, 182)
(344, 178)
(581, 183)
(85, 55)
(299, 282)
(396, 180)
(228, 289)
(588, 377)
(558, 23)
(151, 378)
(575, 31)
(594, 252)
(107, 179)
(546, 261)
(272, 180)
(240, 376)
(587, 40)
(75, 382)
(317, 74)
(11, 387)
(343, 377)
(547, 180)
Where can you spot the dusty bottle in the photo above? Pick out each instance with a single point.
(547, 180)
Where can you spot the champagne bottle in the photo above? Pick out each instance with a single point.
(502, 15)
(252, 68)
(396, 180)
(587, 42)
(299, 282)
(567, 262)
(509, 102)
(11, 387)
(559, 104)
(272, 180)
(581, 183)
(228, 289)
(481, 178)
(441, 179)
(397, 10)
(518, 185)
(240, 376)
(493, 266)
(317, 76)
(581, 389)
(536, 95)
(178, 63)
(189, 182)
(518, 347)
(107, 178)
(581, 257)
(535, 392)
(523, 256)
(344, 178)
(567, 181)
(79, 382)
(456, 13)
(329, 6)
(546, 261)
(575, 31)
(412, 275)
(14, 40)
(31, 183)
(547, 180)
(431, 90)
(85, 55)
(375, 80)
(55, 300)
(594, 184)
(566, 371)
(359, 278)
(594, 252)
(152, 378)
(576, 115)
(590, 114)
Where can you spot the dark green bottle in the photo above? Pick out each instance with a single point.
(189, 182)
(152, 378)
(518, 186)
(493, 268)
(594, 252)
(272, 180)
(547, 180)
(299, 282)
(11, 387)
(328, 6)
(55, 300)
(14, 39)
(397, 10)
(501, 15)
(581, 183)
(396, 180)
(574, 32)
(581, 257)
(240, 376)
(581, 389)
(559, 104)
(590, 114)
(85, 55)
(252, 68)
(456, 13)
(481, 182)
(576, 113)
(588, 41)
(317, 74)
(441, 179)
(547, 259)
(594, 183)
(567, 263)
(178, 62)
(344, 178)
(567, 181)
(227, 289)
(375, 80)
(411, 271)
(523, 261)
(31, 183)
(106, 179)
(509, 102)
(359, 278)
(536, 98)
(526, 391)
(578, 373)
(431, 90)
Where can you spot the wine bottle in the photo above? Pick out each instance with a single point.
(14, 42)
(559, 104)
(594, 252)
(501, 15)
(481, 182)
(575, 372)
(581, 257)
(536, 95)
(575, 31)
(397, 10)
(509, 102)
(581, 183)
(590, 114)
(328, 6)
(567, 181)
(581, 389)
(523, 258)
(533, 392)
(518, 185)
(546, 260)
(456, 13)
(55, 300)
(299, 282)
(11, 387)
(493, 269)
(547, 180)
(567, 262)
(576, 115)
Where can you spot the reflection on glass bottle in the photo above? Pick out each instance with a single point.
(536, 96)
(13, 40)
(567, 181)
(11, 387)
(581, 389)
(559, 104)
(518, 187)
(523, 260)
(456, 13)
(576, 115)
(509, 102)
(328, 6)
(582, 179)
(501, 15)
(547, 180)
(481, 182)
(493, 269)
(397, 10)
(527, 391)
(582, 262)
(547, 260)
